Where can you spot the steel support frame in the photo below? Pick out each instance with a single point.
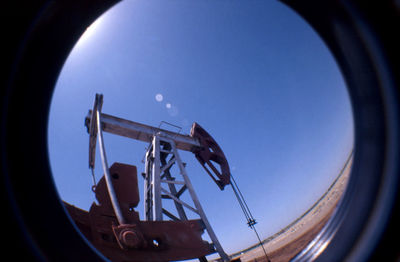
(107, 175)
(161, 156)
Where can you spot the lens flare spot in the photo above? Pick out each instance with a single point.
(159, 97)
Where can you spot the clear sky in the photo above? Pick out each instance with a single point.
(252, 73)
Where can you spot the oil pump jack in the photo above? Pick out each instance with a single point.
(113, 226)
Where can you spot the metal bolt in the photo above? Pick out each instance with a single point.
(130, 239)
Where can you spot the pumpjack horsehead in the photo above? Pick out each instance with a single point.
(113, 225)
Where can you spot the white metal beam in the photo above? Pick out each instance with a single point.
(134, 130)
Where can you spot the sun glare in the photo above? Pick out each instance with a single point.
(90, 31)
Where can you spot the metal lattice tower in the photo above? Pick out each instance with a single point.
(160, 185)
(161, 156)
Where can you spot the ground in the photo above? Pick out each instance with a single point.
(285, 244)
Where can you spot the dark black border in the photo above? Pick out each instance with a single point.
(38, 38)
(361, 36)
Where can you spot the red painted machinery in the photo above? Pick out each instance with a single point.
(113, 226)
(137, 240)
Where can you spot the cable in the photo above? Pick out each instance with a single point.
(251, 222)
(243, 204)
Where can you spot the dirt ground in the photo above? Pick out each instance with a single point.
(285, 244)
(288, 251)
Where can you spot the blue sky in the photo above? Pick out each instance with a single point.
(252, 73)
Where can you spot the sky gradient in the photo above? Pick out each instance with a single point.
(252, 73)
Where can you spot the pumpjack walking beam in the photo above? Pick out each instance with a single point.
(164, 143)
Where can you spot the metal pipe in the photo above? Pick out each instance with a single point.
(142, 132)
(110, 187)
(91, 125)
(155, 179)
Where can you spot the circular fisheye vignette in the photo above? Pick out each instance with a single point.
(168, 105)
(159, 98)
(44, 92)
(41, 53)
(360, 227)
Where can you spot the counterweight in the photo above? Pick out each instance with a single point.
(165, 179)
